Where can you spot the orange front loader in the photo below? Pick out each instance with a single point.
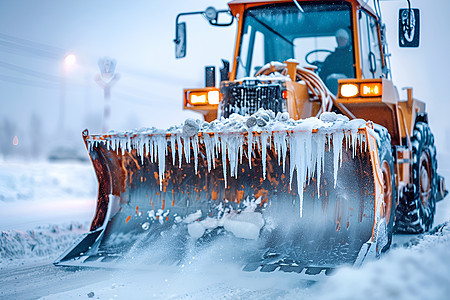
(285, 168)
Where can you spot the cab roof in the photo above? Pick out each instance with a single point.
(236, 5)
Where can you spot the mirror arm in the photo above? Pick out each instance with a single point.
(214, 22)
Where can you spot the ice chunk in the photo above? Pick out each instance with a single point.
(245, 225)
(196, 230)
(190, 127)
(332, 117)
(192, 217)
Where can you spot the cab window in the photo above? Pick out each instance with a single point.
(370, 47)
(320, 35)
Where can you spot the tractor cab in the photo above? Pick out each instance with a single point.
(320, 34)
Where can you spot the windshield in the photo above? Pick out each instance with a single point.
(320, 36)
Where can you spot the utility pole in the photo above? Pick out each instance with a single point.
(106, 80)
(67, 63)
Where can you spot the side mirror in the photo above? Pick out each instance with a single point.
(180, 40)
(211, 15)
(408, 27)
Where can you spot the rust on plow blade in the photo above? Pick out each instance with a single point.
(318, 194)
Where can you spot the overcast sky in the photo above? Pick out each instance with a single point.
(35, 36)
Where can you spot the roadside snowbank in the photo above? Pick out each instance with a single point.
(47, 241)
(37, 193)
(43, 180)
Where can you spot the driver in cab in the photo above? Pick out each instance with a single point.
(339, 64)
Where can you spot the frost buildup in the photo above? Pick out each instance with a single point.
(225, 139)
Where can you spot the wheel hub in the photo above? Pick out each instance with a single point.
(387, 190)
(425, 178)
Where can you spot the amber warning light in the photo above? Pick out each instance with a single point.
(371, 89)
(203, 97)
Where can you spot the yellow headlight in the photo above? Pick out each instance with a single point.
(349, 90)
(199, 98)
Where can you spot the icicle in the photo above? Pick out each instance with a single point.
(195, 149)
(299, 155)
(308, 154)
(365, 141)
(180, 150)
(155, 148)
(234, 144)
(147, 145)
(129, 144)
(141, 148)
(241, 150)
(347, 137)
(250, 148)
(280, 144)
(173, 147)
(151, 148)
(161, 143)
(313, 162)
(210, 149)
(320, 140)
(338, 136)
(123, 145)
(113, 144)
(355, 138)
(293, 154)
(224, 156)
(264, 141)
(216, 144)
(187, 148)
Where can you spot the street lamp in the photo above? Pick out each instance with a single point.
(70, 60)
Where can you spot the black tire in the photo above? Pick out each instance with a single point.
(390, 189)
(415, 213)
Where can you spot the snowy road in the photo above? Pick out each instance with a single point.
(35, 280)
(401, 274)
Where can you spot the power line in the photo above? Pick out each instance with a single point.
(30, 72)
(21, 81)
(31, 43)
(17, 49)
(22, 46)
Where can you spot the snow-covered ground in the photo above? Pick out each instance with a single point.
(45, 206)
(32, 194)
(418, 272)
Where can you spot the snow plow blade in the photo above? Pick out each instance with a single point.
(294, 200)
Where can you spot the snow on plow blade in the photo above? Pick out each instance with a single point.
(301, 199)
